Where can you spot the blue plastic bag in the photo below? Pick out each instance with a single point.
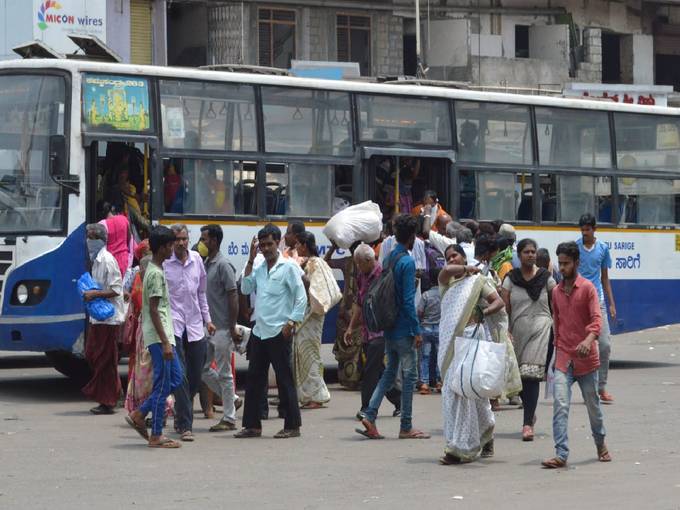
(99, 309)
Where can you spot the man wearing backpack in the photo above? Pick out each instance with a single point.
(403, 337)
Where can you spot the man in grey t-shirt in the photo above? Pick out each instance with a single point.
(223, 303)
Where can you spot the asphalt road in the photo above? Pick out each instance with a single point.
(55, 455)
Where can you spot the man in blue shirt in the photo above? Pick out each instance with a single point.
(403, 339)
(595, 264)
(281, 302)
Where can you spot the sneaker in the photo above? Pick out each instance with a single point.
(605, 397)
(396, 413)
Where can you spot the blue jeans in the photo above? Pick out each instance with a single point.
(604, 346)
(167, 377)
(562, 393)
(429, 349)
(399, 352)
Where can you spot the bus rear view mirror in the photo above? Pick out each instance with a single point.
(58, 156)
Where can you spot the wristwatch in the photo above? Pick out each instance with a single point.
(291, 323)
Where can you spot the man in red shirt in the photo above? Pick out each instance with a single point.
(578, 323)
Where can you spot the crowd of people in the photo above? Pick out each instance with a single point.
(189, 310)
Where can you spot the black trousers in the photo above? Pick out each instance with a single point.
(191, 357)
(276, 351)
(373, 371)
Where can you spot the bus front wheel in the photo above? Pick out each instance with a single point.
(70, 365)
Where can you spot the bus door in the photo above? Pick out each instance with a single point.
(119, 173)
(397, 178)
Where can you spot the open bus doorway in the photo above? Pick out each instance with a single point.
(118, 173)
(400, 183)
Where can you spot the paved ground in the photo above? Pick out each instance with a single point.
(54, 454)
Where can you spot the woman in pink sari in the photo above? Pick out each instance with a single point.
(119, 231)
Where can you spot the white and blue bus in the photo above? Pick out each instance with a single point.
(245, 149)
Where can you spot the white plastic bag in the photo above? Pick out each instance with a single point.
(324, 292)
(361, 222)
(339, 204)
(479, 368)
(245, 334)
(550, 378)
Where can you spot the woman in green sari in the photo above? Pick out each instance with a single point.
(469, 424)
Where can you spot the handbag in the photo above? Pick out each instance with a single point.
(324, 292)
(479, 368)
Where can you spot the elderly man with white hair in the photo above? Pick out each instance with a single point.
(101, 349)
(373, 344)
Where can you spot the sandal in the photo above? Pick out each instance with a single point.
(554, 463)
(286, 434)
(140, 430)
(187, 436)
(603, 454)
(488, 450)
(415, 434)
(102, 409)
(221, 427)
(238, 404)
(312, 405)
(370, 434)
(439, 387)
(495, 405)
(449, 460)
(247, 433)
(165, 443)
(425, 389)
(527, 433)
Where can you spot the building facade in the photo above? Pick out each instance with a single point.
(514, 43)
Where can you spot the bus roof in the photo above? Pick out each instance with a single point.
(75, 66)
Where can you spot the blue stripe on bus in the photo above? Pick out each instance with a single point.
(643, 304)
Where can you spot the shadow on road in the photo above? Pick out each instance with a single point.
(634, 364)
(31, 361)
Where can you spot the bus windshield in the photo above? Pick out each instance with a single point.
(31, 110)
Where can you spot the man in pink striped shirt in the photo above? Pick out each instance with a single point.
(187, 281)
(578, 323)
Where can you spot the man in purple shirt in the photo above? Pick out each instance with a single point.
(186, 278)
(372, 344)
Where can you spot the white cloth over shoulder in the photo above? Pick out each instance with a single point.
(361, 222)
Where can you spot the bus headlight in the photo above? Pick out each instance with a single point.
(22, 293)
(29, 292)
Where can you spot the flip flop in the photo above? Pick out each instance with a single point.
(166, 443)
(220, 427)
(247, 433)
(238, 404)
(101, 409)
(449, 460)
(370, 434)
(187, 436)
(312, 405)
(416, 434)
(140, 430)
(604, 456)
(554, 463)
(286, 434)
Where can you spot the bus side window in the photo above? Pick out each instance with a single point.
(650, 201)
(301, 190)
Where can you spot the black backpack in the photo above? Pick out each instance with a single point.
(380, 308)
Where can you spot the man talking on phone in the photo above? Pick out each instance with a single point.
(281, 302)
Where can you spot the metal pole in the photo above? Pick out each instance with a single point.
(418, 64)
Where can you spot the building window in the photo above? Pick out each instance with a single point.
(276, 37)
(521, 41)
(354, 40)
